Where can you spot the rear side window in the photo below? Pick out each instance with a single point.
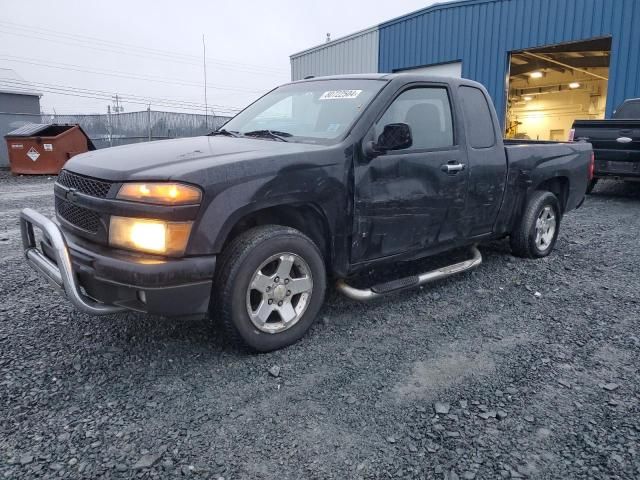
(628, 110)
(478, 121)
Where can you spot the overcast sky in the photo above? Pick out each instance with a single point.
(153, 49)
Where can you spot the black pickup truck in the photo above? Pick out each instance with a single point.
(323, 177)
(616, 143)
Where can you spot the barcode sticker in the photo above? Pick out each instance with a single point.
(340, 94)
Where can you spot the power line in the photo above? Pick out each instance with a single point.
(114, 73)
(124, 48)
(23, 86)
(44, 33)
(107, 93)
(132, 101)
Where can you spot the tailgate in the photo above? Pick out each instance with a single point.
(616, 144)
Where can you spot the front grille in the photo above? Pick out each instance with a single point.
(87, 185)
(78, 216)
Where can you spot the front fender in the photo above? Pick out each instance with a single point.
(289, 187)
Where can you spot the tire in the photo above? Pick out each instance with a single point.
(592, 184)
(254, 259)
(524, 240)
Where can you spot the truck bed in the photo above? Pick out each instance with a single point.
(531, 161)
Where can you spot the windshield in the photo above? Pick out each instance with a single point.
(629, 110)
(309, 112)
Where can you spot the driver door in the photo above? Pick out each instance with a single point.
(412, 199)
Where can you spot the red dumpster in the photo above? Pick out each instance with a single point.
(43, 148)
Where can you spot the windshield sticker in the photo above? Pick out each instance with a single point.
(333, 127)
(340, 94)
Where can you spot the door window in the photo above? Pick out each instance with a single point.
(427, 111)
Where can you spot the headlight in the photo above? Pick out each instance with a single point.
(161, 193)
(151, 236)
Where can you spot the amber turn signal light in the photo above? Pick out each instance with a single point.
(160, 193)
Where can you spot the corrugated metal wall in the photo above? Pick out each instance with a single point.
(357, 53)
(481, 33)
(15, 109)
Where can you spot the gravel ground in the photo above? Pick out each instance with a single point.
(518, 369)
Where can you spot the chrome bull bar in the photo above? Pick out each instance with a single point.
(60, 273)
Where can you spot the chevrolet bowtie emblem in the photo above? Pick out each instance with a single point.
(71, 195)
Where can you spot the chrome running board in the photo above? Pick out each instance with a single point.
(409, 282)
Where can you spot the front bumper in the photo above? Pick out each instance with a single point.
(100, 280)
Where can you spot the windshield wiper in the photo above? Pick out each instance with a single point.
(227, 133)
(275, 134)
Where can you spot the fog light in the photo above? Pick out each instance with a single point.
(152, 236)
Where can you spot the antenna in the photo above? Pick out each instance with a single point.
(204, 65)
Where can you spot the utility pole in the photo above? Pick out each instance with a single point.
(204, 64)
(117, 109)
(149, 120)
(109, 125)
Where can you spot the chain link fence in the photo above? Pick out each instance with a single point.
(110, 130)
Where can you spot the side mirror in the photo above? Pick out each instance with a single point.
(395, 136)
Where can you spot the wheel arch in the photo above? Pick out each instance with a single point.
(307, 217)
(560, 186)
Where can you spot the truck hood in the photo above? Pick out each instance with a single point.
(178, 158)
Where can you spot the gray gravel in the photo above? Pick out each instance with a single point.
(525, 385)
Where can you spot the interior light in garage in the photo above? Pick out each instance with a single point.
(527, 98)
(536, 74)
(574, 85)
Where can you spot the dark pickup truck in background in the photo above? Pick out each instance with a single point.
(616, 143)
(323, 177)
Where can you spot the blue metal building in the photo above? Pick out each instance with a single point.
(481, 35)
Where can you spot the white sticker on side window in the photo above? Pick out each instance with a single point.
(340, 94)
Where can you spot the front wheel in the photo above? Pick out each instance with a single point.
(537, 232)
(269, 287)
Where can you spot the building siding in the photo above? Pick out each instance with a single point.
(481, 33)
(357, 53)
(15, 110)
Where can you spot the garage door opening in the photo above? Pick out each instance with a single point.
(550, 87)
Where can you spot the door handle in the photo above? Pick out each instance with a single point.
(452, 168)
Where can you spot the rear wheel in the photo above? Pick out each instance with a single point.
(537, 232)
(269, 288)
